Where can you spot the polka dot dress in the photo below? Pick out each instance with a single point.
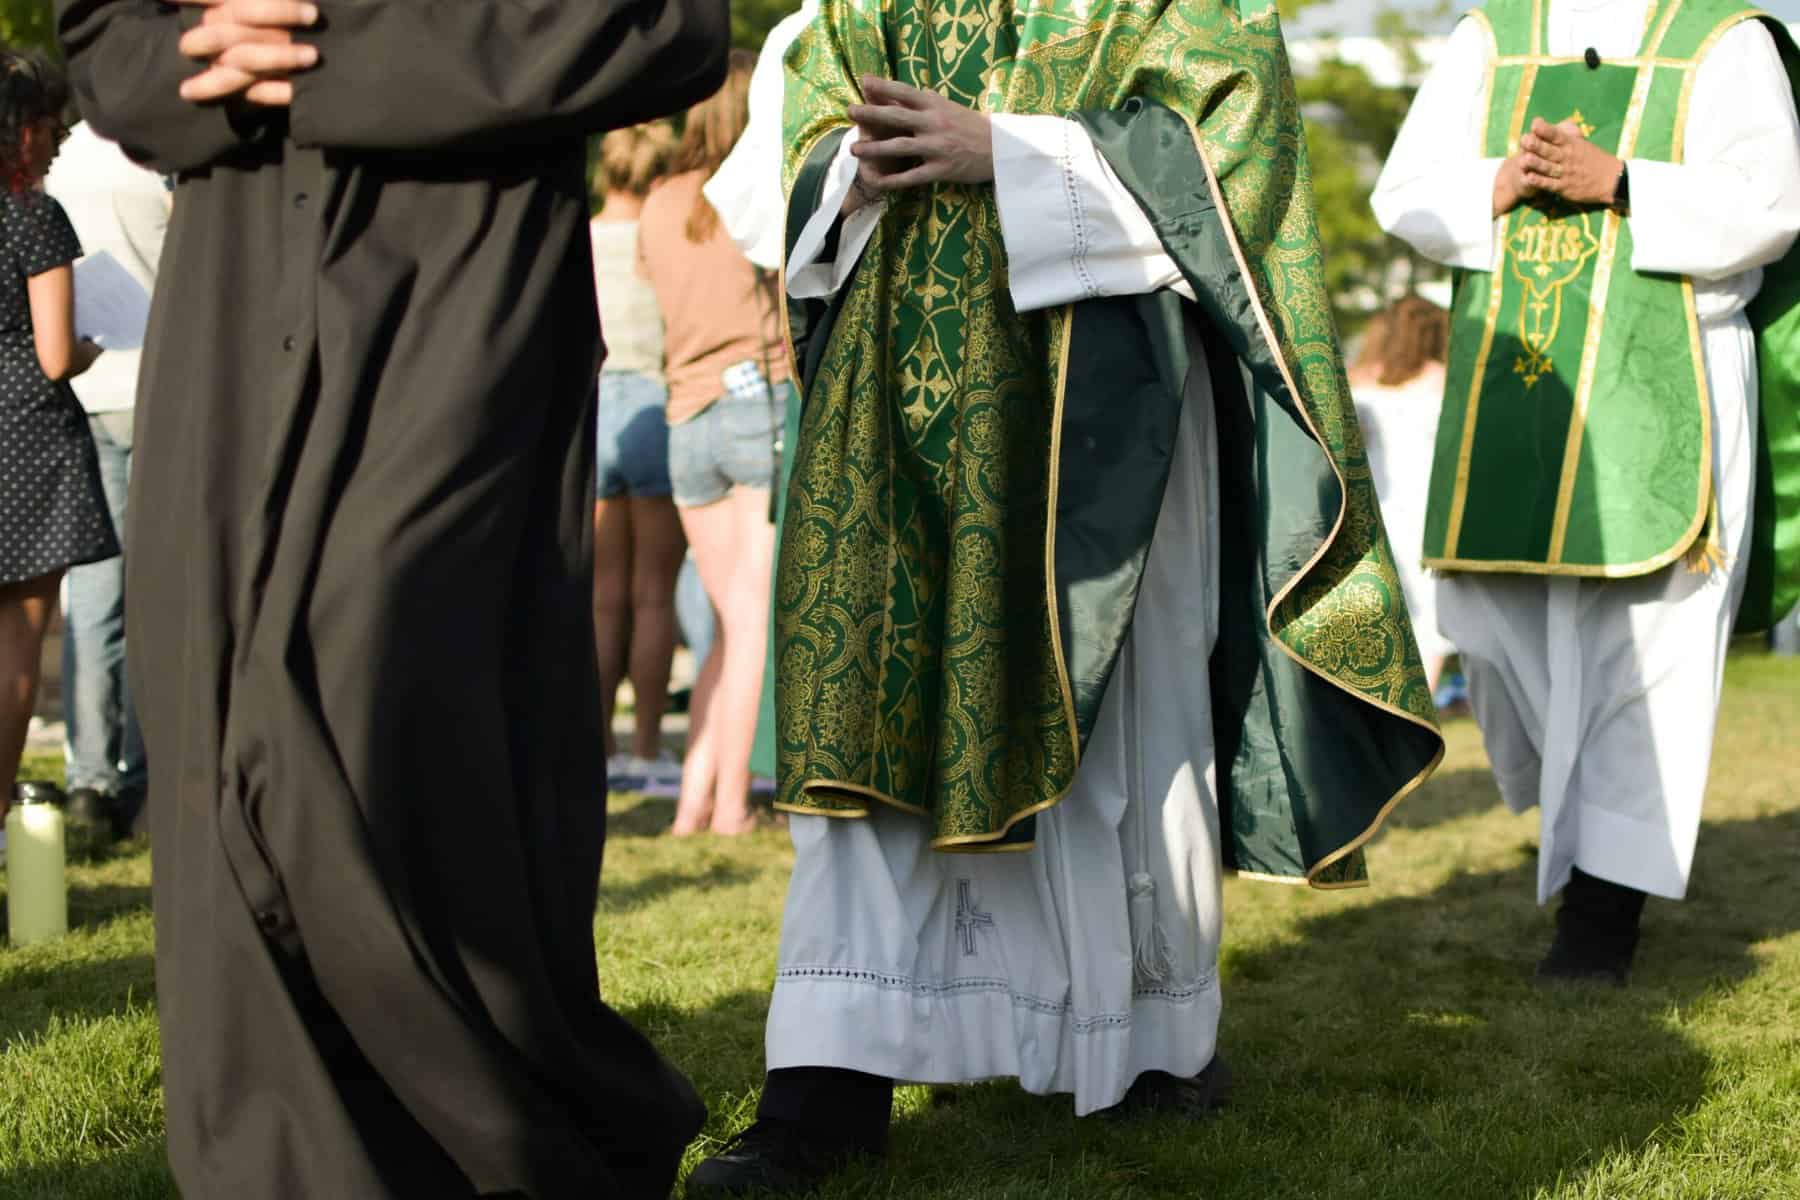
(52, 510)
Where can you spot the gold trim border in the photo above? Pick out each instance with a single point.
(1465, 453)
(1287, 376)
(1596, 317)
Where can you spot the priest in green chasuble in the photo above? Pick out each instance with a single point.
(1083, 596)
(1617, 473)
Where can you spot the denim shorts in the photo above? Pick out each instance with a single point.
(730, 444)
(631, 452)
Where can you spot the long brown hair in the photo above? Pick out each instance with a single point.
(1405, 338)
(713, 127)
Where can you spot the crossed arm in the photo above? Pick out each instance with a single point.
(182, 83)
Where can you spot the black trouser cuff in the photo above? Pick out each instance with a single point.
(846, 1106)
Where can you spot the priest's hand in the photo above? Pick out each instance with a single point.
(1510, 188)
(866, 186)
(248, 50)
(916, 137)
(1559, 160)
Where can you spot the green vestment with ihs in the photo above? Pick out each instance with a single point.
(1577, 429)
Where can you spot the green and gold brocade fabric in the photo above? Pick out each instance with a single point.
(921, 658)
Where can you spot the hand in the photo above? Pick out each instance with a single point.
(249, 50)
(914, 137)
(866, 187)
(1559, 160)
(1510, 188)
(86, 351)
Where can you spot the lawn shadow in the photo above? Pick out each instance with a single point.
(96, 904)
(1447, 796)
(136, 1172)
(1434, 1041)
(30, 996)
(1400, 1048)
(622, 898)
(631, 815)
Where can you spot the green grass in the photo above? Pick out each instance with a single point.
(1388, 1043)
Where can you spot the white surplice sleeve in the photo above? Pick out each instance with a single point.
(1071, 229)
(1436, 192)
(807, 277)
(746, 189)
(1734, 205)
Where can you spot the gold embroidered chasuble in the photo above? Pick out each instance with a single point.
(974, 488)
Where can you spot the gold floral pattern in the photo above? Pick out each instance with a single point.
(925, 456)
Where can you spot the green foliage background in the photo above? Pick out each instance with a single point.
(27, 23)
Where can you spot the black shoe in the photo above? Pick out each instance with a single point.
(95, 809)
(1596, 933)
(1171, 1095)
(772, 1158)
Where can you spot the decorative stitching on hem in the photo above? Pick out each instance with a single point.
(978, 985)
(1077, 218)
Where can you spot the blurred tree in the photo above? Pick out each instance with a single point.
(28, 23)
(1352, 123)
(751, 20)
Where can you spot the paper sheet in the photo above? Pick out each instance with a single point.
(111, 306)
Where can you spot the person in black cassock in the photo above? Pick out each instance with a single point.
(360, 623)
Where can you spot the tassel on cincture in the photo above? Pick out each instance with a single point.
(1705, 557)
(1149, 948)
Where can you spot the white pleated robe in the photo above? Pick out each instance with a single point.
(1597, 698)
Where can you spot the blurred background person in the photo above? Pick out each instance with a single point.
(638, 543)
(122, 210)
(728, 389)
(1398, 383)
(53, 511)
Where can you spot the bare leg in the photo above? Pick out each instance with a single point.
(612, 602)
(25, 610)
(657, 548)
(734, 547)
(698, 765)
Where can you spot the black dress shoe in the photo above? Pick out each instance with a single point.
(1596, 933)
(95, 809)
(1171, 1095)
(772, 1158)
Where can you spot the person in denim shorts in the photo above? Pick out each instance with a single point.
(727, 372)
(638, 543)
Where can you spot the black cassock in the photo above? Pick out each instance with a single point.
(360, 625)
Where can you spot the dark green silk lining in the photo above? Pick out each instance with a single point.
(1305, 766)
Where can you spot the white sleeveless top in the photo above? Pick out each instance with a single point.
(630, 321)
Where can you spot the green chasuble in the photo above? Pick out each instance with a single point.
(1576, 437)
(974, 489)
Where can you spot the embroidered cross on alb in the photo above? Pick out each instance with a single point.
(968, 917)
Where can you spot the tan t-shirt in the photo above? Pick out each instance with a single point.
(715, 311)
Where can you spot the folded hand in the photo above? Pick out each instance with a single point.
(911, 137)
(1559, 160)
(248, 49)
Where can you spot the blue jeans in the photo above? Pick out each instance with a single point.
(105, 750)
(631, 452)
